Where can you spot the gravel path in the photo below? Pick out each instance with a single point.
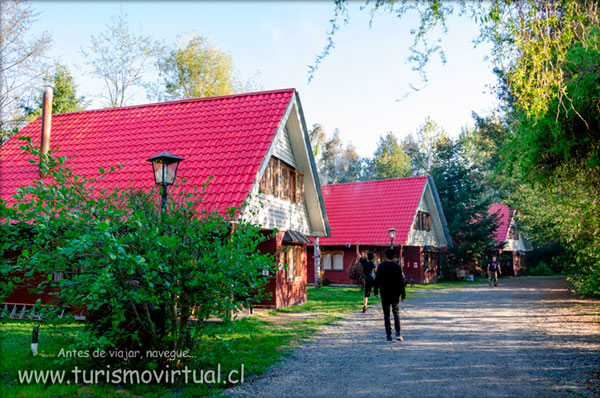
(526, 338)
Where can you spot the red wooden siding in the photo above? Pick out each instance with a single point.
(284, 293)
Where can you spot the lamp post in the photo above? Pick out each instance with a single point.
(392, 233)
(165, 167)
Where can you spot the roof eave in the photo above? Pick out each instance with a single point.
(438, 203)
(313, 167)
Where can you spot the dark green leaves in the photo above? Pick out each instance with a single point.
(126, 263)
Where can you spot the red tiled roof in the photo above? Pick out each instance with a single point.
(223, 137)
(362, 212)
(504, 219)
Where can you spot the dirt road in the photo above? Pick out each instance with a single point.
(525, 338)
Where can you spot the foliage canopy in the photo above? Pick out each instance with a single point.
(197, 69)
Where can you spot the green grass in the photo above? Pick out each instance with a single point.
(329, 300)
(15, 354)
(256, 342)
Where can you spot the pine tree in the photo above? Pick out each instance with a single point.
(465, 206)
(65, 97)
(390, 160)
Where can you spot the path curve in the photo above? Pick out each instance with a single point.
(526, 338)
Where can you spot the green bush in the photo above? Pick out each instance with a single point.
(552, 253)
(356, 273)
(584, 271)
(542, 269)
(145, 278)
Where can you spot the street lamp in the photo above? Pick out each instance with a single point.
(392, 232)
(164, 166)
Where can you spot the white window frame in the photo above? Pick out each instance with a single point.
(57, 276)
(335, 257)
(326, 261)
(292, 264)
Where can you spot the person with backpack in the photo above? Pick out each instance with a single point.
(369, 268)
(493, 270)
(389, 279)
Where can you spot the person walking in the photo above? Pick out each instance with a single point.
(389, 279)
(493, 270)
(369, 268)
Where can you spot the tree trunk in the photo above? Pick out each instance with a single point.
(317, 256)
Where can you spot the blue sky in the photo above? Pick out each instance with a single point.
(359, 87)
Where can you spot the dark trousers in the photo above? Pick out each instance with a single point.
(386, 315)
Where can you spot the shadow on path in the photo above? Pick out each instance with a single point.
(526, 338)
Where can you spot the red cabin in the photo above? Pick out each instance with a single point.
(247, 143)
(361, 213)
(513, 241)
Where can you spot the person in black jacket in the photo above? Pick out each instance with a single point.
(493, 270)
(390, 281)
(369, 275)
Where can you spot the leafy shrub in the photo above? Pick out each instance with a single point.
(551, 253)
(355, 272)
(145, 278)
(542, 269)
(584, 271)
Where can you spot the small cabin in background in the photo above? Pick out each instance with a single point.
(360, 215)
(511, 239)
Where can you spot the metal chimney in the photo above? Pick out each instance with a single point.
(46, 122)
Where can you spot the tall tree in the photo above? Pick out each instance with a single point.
(412, 149)
(389, 160)
(421, 149)
(465, 206)
(197, 69)
(547, 52)
(120, 58)
(339, 163)
(550, 86)
(64, 99)
(20, 61)
(483, 147)
(317, 138)
(353, 165)
(548, 55)
(554, 144)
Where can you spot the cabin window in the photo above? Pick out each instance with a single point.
(282, 181)
(338, 261)
(326, 261)
(422, 221)
(269, 183)
(294, 262)
(287, 188)
(332, 261)
(274, 177)
(57, 276)
(429, 261)
(299, 188)
(265, 181)
(513, 233)
(298, 266)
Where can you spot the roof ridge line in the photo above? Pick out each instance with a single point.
(373, 181)
(172, 102)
